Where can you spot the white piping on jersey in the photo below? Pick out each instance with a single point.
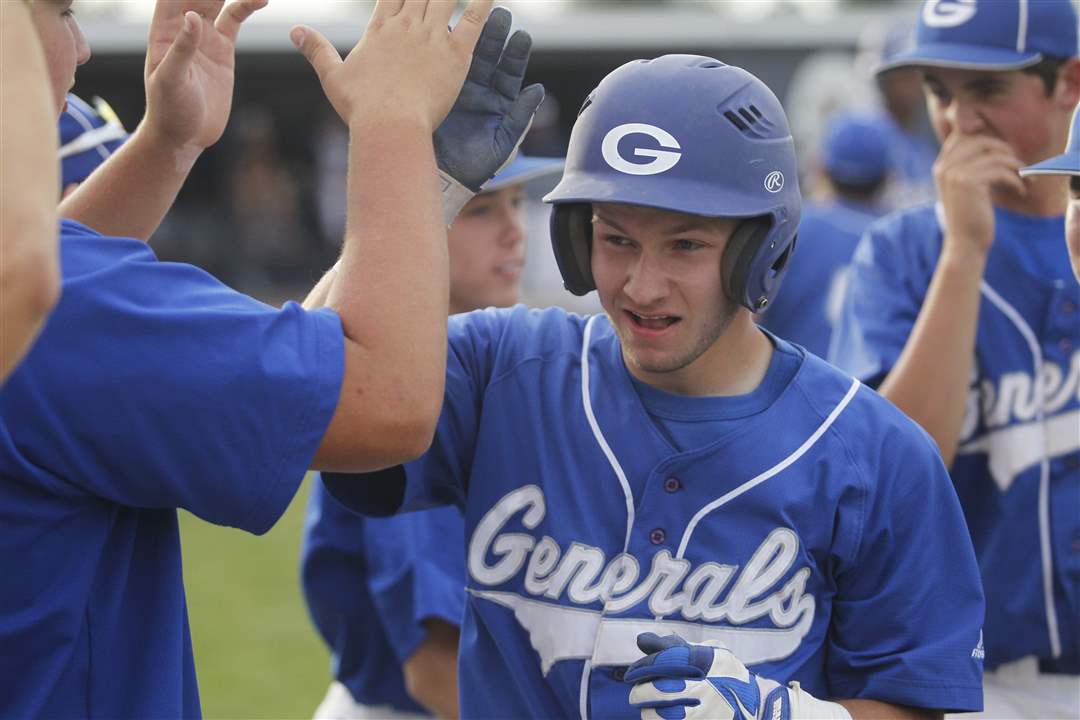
(1044, 462)
(774, 470)
(586, 401)
(1021, 27)
(583, 693)
(94, 139)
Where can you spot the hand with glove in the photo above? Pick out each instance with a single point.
(677, 681)
(490, 116)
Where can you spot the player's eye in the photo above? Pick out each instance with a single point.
(615, 240)
(684, 244)
(1074, 186)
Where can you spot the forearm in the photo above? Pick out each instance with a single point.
(392, 288)
(930, 380)
(431, 672)
(874, 710)
(129, 195)
(29, 187)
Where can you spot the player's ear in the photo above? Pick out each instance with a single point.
(1067, 87)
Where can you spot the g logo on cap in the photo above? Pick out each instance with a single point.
(663, 158)
(947, 13)
(774, 181)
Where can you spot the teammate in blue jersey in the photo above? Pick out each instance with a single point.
(406, 574)
(88, 136)
(669, 467)
(1067, 164)
(964, 314)
(855, 165)
(154, 387)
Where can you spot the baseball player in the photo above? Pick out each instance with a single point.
(855, 166)
(669, 467)
(88, 136)
(154, 387)
(964, 314)
(406, 574)
(29, 272)
(1067, 164)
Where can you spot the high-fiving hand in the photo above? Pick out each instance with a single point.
(190, 60)
(407, 68)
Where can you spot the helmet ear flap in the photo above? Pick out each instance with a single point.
(571, 239)
(739, 255)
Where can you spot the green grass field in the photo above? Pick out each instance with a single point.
(256, 652)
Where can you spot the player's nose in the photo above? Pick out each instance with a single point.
(964, 116)
(646, 282)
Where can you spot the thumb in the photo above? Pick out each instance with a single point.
(174, 65)
(316, 49)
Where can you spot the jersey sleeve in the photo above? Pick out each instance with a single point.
(156, 386)
(909, 606)
(885, 290)
(416, 567)
(440, 476)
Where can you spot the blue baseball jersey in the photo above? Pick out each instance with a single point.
(88, 136)
(370, 583)
(1017, 469)
(816, 533)
(152, 387)
(808, 308)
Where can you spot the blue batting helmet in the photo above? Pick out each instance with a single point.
(687, 134)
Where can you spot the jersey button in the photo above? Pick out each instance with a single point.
(672, 484)
(657, 536)
(1068, 308)
(1072, 462)
(1065, 346)
(618, 674)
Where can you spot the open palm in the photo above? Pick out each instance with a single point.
(190, 58)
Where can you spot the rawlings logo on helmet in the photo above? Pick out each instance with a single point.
(663, 159)
(774, 182)
(947, 13)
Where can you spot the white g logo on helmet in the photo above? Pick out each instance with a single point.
(947, 13)
(663, 159)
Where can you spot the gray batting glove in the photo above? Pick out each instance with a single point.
(490, 116)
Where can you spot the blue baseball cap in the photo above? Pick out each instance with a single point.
(856, 149)
(1067, 163)
(537, 174)
(989, 34)
(88, 136)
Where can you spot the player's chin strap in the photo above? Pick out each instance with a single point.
(679, 680)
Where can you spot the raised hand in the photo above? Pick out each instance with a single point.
(407, 68)
(492, 113)
(967, 171)
(190, 60)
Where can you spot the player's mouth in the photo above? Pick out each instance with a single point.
(650, 326)
(510, 271)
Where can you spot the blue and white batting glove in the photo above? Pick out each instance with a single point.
(490, 116)
(679, 681)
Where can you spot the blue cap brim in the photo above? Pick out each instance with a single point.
(962, 57)
(526, 171)
(1067, 164)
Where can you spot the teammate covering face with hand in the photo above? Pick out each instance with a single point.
(155, 387)
(668, 467)
(394, 632)
(964, 314)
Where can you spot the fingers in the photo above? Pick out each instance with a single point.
(439, 12)
(174, 65)
(521, 114)
(473, 21)
(316, 49)
(233, 16)
(490, 47)
(511, 69)
(386, 9)
(413, 9)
